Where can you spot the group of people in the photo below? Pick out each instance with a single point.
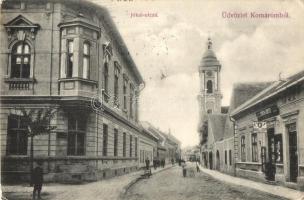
(159, 163)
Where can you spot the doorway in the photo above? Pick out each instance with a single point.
(270, 165)
(218, 160)
(210, 160)
(293, 152)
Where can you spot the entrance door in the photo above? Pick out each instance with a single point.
(270, 166)
(218, 165)
(210, 160)
(293, 153)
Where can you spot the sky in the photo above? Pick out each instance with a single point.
(173, 41)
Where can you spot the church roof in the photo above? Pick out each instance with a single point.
(217, 125)
(209, 58)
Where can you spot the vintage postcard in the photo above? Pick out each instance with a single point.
(152, 99)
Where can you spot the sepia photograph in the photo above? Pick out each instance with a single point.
(152, 99)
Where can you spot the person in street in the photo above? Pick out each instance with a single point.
(172, 161)
(37, 180)
(197, 167)
(147, 161)
(155, 163)
(184, 169)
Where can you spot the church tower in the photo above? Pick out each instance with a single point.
(210, 96)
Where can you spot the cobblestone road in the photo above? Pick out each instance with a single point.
(170, 184)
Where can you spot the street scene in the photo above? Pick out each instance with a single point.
(170, 184)
(151, 99)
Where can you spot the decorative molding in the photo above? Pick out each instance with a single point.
(21, 28)
(289, 114)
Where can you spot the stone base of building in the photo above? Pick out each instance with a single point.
(250, 174)
(67, 170)
(300, 181)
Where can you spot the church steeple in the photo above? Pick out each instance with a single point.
(210, 88)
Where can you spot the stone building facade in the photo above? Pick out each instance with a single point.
(68, 55)
(269, 133)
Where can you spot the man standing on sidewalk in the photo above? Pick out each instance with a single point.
(37, 178)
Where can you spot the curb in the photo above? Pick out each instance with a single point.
(129, 185)
(217, 178)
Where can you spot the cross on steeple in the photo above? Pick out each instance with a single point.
(209, 43)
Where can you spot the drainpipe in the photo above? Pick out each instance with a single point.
(234, 143)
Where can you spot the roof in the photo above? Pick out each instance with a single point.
(241, 92)
(103, 14)
(269, 92)
(217, 124)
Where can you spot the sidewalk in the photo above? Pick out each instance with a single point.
(109, 189)
(272, 189)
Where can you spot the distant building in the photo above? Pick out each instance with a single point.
(61, 54)
(168, 146)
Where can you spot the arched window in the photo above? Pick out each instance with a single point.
(21, 58)
(209, 86)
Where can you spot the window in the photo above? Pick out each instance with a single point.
(279, 148)
(135, 146)
(225, 157)
(76, 135)
(131, 145)
(21, 55)
(131, 100)
(124, 145)
(105, 140)
(230, 157)
(254, 147)
(115, 141)
(16, 136)
(86, 61)
(209, 87)
(243, 153)
(125, 93)
(116, 92)
(70, 47)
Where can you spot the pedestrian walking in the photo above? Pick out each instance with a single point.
(172, 161)
(184, 169)
(37, 180)
(147, 163)
(197, 167)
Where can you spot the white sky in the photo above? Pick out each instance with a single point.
(174, 42)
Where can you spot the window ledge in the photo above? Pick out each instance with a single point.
(10, 80)
(77, 79)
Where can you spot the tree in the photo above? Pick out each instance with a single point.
(37, 122)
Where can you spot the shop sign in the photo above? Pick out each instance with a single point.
(267, 112)
(259, 126)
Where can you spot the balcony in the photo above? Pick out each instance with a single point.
(19, 86)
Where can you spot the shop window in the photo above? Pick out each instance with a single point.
(209, 87)
(20, 63)
(115, 141)
(131, 140)
(254, 145)
(76, 135)
(124, 145)
(16, 136)
(230, 157)
(279, 148)
(70, 57)
(105, 140)
(86, 61)
(243, 152)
